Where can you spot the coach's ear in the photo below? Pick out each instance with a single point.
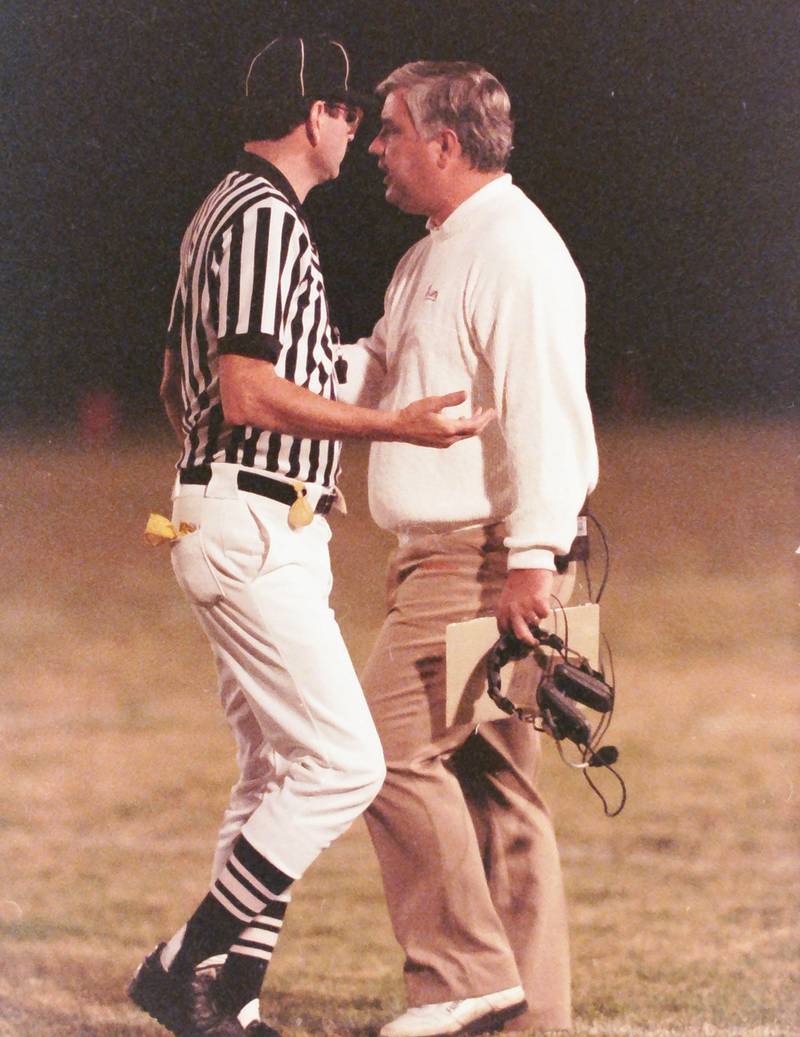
(314, 122)
(449, 148)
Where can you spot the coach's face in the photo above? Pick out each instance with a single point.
(408, 161)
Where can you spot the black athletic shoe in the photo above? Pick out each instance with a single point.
(206, 1014)
(260, 1029)
(158, 993)
(186, 1003)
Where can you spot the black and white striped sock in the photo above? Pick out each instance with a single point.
(242, 976)
(260, 937)
(246, 887)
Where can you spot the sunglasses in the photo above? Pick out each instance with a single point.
(352, 116)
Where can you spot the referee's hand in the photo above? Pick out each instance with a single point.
(423, 423)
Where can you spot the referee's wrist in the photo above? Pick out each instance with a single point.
(390, 426)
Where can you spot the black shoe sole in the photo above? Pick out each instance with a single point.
(167, 1019)
(496, 1020)
(154, 1002)
(491, 1022)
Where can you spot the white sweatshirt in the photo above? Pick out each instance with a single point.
(490, 302)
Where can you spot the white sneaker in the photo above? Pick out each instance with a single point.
(471, 1015)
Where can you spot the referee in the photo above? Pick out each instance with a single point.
(249, 385)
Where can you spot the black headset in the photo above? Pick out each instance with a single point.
(566, 678)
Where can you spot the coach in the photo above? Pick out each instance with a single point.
(489, 298)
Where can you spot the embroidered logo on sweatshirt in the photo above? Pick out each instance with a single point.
(432, 294)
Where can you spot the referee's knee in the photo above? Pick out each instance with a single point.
(378, 776)
(371, 772)
(364, 773)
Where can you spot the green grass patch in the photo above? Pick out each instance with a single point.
(116, 763)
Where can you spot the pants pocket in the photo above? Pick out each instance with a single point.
(193, 571)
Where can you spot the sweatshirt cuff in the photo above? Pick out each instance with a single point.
(531, 558)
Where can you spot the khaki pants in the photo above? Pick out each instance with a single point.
(465, 843)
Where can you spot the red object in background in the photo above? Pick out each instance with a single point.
(630, 391)
(98, 416)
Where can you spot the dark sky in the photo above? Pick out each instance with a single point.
(659, 138)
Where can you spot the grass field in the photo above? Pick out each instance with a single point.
(116, 762)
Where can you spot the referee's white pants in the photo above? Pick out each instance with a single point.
(309, 757)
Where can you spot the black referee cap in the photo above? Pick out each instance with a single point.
(296, 68)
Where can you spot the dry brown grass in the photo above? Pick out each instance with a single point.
(116, 761)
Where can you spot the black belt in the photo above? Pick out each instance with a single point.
(252, 482)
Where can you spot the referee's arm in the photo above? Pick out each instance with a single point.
(170, 391)
(254, 394)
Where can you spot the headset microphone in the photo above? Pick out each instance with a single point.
(604, 757)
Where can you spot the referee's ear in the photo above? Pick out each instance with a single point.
(314, 122)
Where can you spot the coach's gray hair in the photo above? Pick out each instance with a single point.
(461, 97)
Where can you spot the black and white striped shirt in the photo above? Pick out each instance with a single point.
(250, 283)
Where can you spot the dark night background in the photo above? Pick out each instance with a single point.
(659, 138)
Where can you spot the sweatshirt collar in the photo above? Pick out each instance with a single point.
(463, 215)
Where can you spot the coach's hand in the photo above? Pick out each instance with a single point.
(423, 423)
(524, 601)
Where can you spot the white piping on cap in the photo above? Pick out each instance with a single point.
(255, 59)
(346, 63)
(302, 67)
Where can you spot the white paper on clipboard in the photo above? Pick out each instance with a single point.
(468, 643)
